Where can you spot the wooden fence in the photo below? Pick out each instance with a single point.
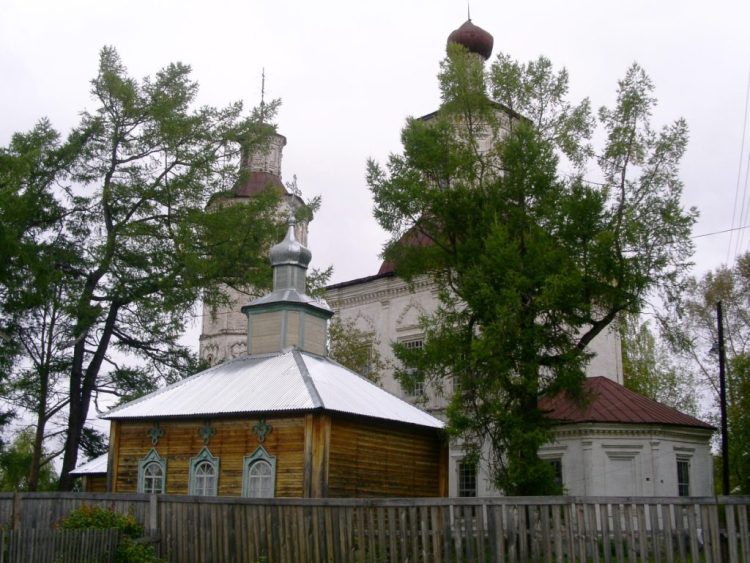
(512, 529)
(58, 546)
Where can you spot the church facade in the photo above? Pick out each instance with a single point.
(620, 444)
(283, 420)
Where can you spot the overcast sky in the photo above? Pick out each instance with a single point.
(349, 73)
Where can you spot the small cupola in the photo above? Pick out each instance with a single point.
(288, 317)
(289, 260)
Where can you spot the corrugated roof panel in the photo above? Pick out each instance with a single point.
(93, 466)
(345, 391)
(249, 384)
(274, 383)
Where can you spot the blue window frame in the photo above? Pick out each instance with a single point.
(152, 473)
(259, 474)
(204, 474)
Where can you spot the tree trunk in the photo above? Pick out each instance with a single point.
(81, 391)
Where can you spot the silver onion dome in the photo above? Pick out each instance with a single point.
(290, 251)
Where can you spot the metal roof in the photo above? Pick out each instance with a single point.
(607, 401)
(287, 381)
(93, 466)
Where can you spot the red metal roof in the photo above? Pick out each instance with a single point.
(608, 401)
(255, 181)
(410, 238)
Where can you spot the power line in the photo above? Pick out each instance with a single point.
(739, 174)
(721, 232)
(745, 210)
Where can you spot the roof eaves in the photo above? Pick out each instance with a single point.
(585, 421)
(360, 280)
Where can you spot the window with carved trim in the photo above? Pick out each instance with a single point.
(259, 474)
(204, 474)
(152, 472)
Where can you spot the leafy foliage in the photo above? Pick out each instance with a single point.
(129, 550)
(15, 466)
(112, 231)
(650, 369)
(355, 349)
(530, 265)
(694, 335)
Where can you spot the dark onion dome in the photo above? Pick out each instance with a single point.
(474, 38)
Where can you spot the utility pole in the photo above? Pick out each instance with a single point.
(723, 404)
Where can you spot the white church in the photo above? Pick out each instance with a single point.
(620, 444)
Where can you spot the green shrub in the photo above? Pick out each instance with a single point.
(129, 549)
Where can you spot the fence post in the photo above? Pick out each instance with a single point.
(153, 512)
(16, 511)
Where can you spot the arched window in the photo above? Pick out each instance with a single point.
(153, 478)
(259, 478)
(152, 472)
(204, 474)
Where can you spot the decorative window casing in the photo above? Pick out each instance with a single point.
(683, 477)
(204, 474)
(152, 474)
(467, 478)
(259, 474)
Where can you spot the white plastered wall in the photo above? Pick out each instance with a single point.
(631, 459)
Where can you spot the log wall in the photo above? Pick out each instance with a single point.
(317, 455)
(233, 440)
(384, 461)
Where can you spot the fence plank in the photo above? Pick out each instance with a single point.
(606, 540)
(679, 526)
(441, 530)
(653, 514)
(744, 533)
(731, 533)
(693, 531)
(642, 532)
(545, 533)
(558, 536)
(481, 532)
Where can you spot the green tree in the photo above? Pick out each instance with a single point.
(651, 369)
(530, 264)
(15, 464)
(31, 167)
(694, 334)
(355, 349)
(132, 246)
